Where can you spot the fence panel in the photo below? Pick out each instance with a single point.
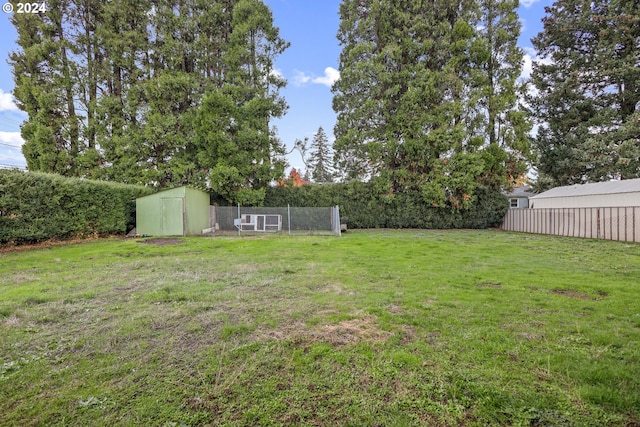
(243, 220)
(609, 223)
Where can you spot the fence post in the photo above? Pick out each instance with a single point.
(610, 223)
(626, 227)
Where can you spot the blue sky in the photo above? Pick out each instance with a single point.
(309, 65)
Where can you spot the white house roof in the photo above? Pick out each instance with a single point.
(597, 188)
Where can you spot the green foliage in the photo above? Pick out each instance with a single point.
(496, 122)
(366, 206)
(320, 158)
(427, 97)
(126, 91)
(38, 206)
(234, 143)
(587, 91)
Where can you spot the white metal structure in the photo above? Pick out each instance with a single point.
(289, 219)
(259, 222)
(600, 194)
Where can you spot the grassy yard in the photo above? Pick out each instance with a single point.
(388, 328)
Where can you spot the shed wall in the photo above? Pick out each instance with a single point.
(148, 218)
(197, 209)
(175, 212)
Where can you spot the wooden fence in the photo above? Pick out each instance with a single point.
(615, 223)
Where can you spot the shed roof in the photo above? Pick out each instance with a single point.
(181, 188)
(596, 188)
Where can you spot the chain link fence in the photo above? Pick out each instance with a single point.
(239, 220)
(612, 223)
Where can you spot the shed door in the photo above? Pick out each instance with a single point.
(173, 216)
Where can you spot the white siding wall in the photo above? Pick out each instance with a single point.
(592, 201)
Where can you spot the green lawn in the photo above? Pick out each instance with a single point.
(389, 328)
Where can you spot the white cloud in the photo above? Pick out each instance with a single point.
(300, 78)
(6, 102)
(11, 138)
(523, 24)
(530, 58)
(527, 65)
(10, 155)
(9, 161)
(276, 73)
(528, 3)
(331, 75)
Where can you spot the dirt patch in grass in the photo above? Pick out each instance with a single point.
(572, 293)
(162, 241)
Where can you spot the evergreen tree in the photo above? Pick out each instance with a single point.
(127, 90)
(320, 158)
(232, 135)
(426, 102)
(496, 123)
(45, 89)
(588, 89)
(128, 62)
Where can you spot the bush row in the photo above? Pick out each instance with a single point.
(39, 206)
(365, 207)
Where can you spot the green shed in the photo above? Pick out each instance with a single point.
(180, 211)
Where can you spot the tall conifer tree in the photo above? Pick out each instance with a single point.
(588, 91)
(232, 135)
(45, 89)
(496, 122)
(320, 158)
(415, 111)
(118, 90)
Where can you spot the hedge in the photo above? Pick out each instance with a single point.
(38, 206)
(367, 208)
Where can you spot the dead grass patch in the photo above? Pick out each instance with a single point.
(161, 241)
(572, 293)
(361, 329)
(21, 277)
(47, 244)
(12, 320)
(491, 285)
(351, 332)
(337, 289)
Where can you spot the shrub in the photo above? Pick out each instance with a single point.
(368, 208)
(38, 206)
